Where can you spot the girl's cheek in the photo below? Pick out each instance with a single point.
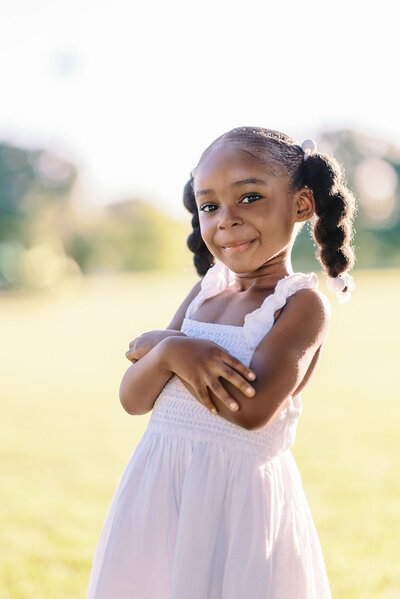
(204, 230)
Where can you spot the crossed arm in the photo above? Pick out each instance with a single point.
(154, 337)
(281, 361)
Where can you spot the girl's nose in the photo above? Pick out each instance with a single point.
(228, 218)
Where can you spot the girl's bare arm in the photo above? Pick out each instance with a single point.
(140, 346)
(199, 363)
(281, 360)
(145, 342)
(142, 382)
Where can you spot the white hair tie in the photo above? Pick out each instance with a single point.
(309, 146)
(339, 283)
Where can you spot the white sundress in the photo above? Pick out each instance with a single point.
(206, 509)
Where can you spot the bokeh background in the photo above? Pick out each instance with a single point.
(105, 108)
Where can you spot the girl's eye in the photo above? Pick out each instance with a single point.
(253, 197)
(204, 206)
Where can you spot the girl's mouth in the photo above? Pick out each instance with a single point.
(238, 248)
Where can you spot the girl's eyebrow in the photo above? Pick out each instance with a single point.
(202, 192)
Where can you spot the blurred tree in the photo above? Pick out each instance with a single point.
(130, 235)
(34, 185)
(39, 222)
(31, 181)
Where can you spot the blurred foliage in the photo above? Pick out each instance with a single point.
(130, 235)
(48, 230)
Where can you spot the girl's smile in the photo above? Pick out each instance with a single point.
(238, 247)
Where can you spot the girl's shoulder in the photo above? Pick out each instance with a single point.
(314, 297)
(297, 303)
(300, 330)
(312, 301)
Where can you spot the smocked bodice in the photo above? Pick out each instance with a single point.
(177, 412)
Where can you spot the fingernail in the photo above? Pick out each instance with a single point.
(252, 375)
(214, 411)
(250, 391)
(234, 406)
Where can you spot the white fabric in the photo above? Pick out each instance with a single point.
(206, 509)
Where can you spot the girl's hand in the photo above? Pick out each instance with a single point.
(140, 346)
(200, 363)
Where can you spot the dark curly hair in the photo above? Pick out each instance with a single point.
(335, 206)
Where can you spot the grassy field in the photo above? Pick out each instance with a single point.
(65, 439)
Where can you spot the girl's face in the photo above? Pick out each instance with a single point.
(241, 201)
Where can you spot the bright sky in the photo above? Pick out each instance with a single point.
(134, 91)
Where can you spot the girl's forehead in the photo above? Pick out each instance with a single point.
(230, 160)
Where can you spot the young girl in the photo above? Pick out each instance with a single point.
(211, 504)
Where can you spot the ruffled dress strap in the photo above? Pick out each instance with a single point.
(216, 279)
(258, 323)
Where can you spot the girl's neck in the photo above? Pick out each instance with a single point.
(265, 277)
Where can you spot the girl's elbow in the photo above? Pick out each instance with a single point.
(250, 420)
(125, 392)
(253, 417)
(130, 406)
(124, 403)
(125, 399)
(254, 423)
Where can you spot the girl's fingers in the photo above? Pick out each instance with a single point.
(135, 351)
(236, 379)
(224, 396)
(132, 355)
(205, 400)
(131, 359)
(240, 367)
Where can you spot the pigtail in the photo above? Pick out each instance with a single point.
(335, 208)
(202, 259)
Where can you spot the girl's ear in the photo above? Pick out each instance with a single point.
(304, 203)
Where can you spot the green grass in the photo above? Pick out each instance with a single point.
(65, 439)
